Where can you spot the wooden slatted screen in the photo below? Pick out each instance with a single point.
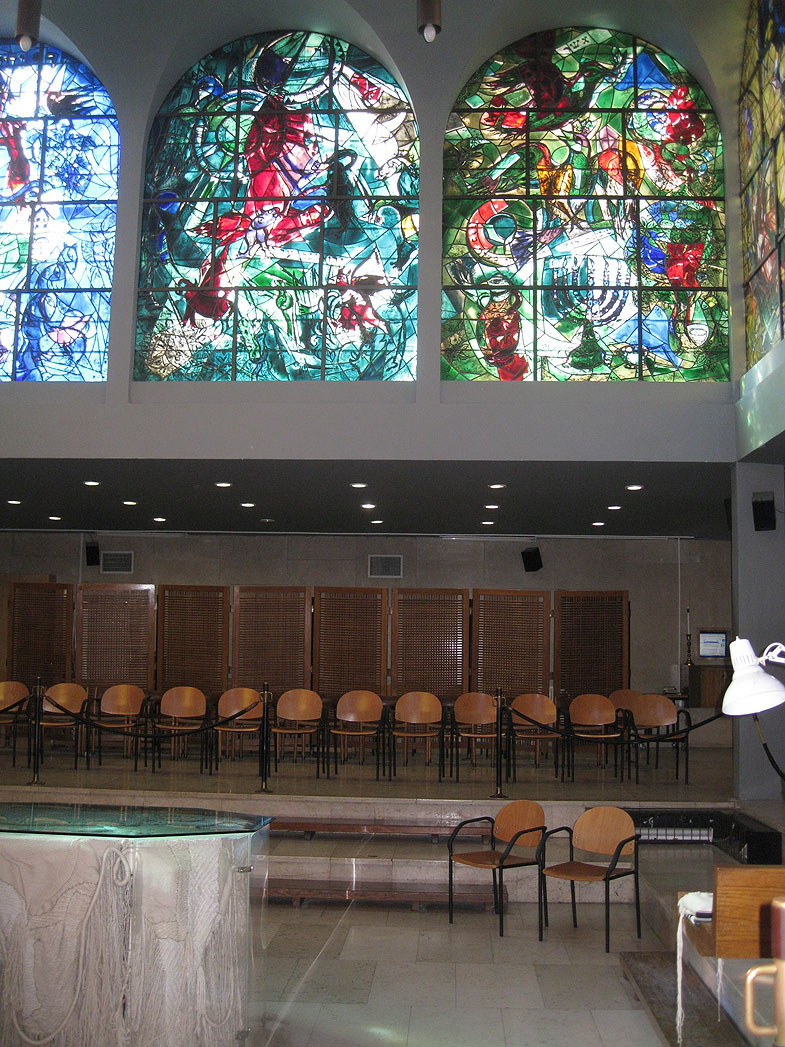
(40, 621)
(193, 637)
(271, 637)
(115, 635)
(591, 639)
(430, 641)
(349, 641)
(511, 641)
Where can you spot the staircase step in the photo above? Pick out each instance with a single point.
(311, 827)
(414, 894)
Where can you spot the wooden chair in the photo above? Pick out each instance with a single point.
(593, 718)
(474, 722)
(182, 712)
(62, 706)
(418, 717)
(537, 707)
(13, 701)
(599, 831)
(359, 715)
(624, 697)
(248, 703)
(520, 823)
(654, 720)
(120, 712)
(300, 716)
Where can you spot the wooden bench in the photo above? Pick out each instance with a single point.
(311, 827)
(415, 894)
(740, 927)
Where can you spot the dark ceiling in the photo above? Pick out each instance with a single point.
(446, 498)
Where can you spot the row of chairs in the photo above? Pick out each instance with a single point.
(600, 832)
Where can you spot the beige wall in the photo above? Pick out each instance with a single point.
(650, 569)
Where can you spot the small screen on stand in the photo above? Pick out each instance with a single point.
(712, 645)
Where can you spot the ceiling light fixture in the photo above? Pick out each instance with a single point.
(497, 487)
(266, 519)
(159, 519)
(92, 483)
(129, 502)
(491, 507)
(28, 23)
(429, 19)
(223, 483)
(14, 501)
(488, 523)
(55, 517)
(368, 505)
(377, 521)
(359, 486)
(634, 487)
(613, 508)
(598, 523)
(247, 505)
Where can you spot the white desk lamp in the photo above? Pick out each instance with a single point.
(752, 690)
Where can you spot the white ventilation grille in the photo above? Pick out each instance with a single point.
(121, 562)
(385, 567)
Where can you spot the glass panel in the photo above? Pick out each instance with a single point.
(482, 334)
(750, 131)
(681, 152)
(126, 821)
(281, 161)
(762, 309)
(684, 336)
(759, 215)
(683, 243)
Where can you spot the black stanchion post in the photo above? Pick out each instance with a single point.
(37, 699)
(499, 794)
(264, 737)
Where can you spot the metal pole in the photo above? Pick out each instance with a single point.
(499, 698)
(37, 698)
(264, 737)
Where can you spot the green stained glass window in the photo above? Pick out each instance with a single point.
(584, 218)
(280, 222)
(58, 212)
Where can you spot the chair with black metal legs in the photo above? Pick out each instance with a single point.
(120, 712)
(606, 831)
(13, 704)
(359, 718)
(520, 823)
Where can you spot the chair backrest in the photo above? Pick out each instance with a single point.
(299, 704)
(537, 706)
(418, 707)
(625, 697)
(656, 710)
(183, 701)
(592, 710)
(517, 815)
(600, 829)
(475, 708)
(11, 691)
(238, 698)
(122, 699)
(359, 707)
(70, 696)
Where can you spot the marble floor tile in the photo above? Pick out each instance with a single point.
(631, 1028)
(498, 985)
(547, 1028)
(334, 981)
(367, 942)
(432, 1025)
(414, 983)
(568, 987)
(450, 945)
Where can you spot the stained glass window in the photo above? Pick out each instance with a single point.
(584, 218)
(280, 219)
(762, 160)
(59, 154)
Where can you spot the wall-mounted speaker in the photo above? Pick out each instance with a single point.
(532, 560)
(764, 516)
(92, 554)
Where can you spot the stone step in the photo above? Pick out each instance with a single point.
(409, 892)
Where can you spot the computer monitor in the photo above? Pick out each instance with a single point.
(712, 644)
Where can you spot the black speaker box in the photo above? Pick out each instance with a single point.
(532, 560)
(92, 554)
(763, 514)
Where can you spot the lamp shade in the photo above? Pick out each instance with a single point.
(752, 689)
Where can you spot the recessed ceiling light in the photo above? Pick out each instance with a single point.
(266, 519)
(92, 483)
(159, 519)
(491, 506)
(488, 523)
(223, 483)
(55, 517)
(497, 487)
(377, 521)
(14, 501)
(613, 507)
(598, 523)
(247, 505)
(128, 502)
(359, 485)
(634, 487)
(368, 505)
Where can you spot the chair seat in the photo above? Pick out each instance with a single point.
(183, 725)
(596, 736)
(490, 860)
(582, 871)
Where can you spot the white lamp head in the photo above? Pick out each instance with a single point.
(752, 689)
(429, 19)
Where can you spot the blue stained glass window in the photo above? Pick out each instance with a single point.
(280, 224)
(59, 156)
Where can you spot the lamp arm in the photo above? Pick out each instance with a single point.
(766, 749)
(775, 652)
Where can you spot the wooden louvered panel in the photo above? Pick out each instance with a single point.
(193, 637)
(350, 641)
(430, 641)
(39, 632)
(271, 641)
(115, 635)
(510, 641)
(592, 642)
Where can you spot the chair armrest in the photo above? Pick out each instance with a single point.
(683, 719)
(540, 855)
(460, 825)
(524, 832)
(617, 853)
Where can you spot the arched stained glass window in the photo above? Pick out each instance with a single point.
(584, 232)
(59, 155)
(762, 157)
(280, 219)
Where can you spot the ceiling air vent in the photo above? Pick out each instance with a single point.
(121, 562)
(385, 567)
